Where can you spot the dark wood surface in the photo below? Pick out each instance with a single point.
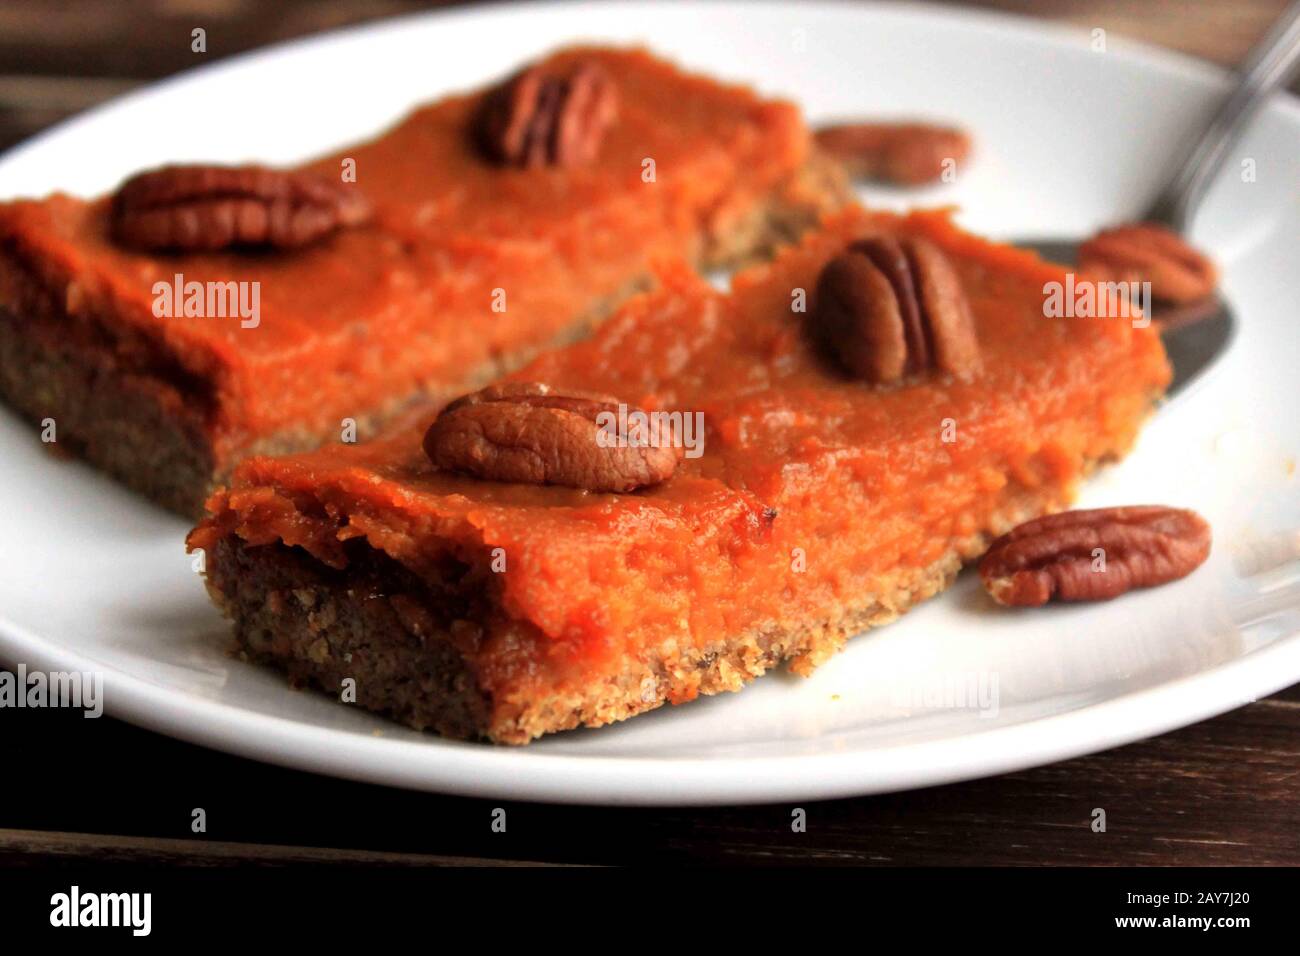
(1226, 791)
(1218, 793)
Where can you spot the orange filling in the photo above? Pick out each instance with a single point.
(465, 261)
(812, 491)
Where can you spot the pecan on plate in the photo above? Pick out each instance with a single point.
(204, 208)
(1150, 252)
(889, 308)
(1094, 555)
(906, 154)
(540, 117)
(527, 432)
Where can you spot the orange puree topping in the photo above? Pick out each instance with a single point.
(813, 489)
(377, 313)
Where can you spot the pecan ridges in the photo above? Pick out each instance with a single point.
(541, 117)
(205, 208)
(1150, 252)
(1094, 555)
(889, 308)
(527, 432)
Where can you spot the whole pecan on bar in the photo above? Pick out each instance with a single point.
(907, 154)
(1094, 555)
(204, 208)
(527, 432)
(544, 117)
(892, 307)
(1149, 252)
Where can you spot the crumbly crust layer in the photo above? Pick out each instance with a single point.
(323, 626)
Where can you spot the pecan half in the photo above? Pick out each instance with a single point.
(907, 154)
(1094, 555)
(1149, 252)
(203, 208)
(543, 118)
(888, 308)
(527, 432)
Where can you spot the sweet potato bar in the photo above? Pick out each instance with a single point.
(821, 505)
(471, 263)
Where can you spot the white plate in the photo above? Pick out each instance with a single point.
(1068, 138)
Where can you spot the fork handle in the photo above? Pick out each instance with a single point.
(1269, 65)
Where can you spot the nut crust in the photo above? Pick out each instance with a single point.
(205, 208)
(526, 432)
(1094, 555)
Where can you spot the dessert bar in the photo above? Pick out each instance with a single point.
(203, 314)
(468, 581)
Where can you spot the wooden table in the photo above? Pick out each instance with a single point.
(1226, 791)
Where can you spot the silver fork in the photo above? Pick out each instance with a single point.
(1194, 347)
